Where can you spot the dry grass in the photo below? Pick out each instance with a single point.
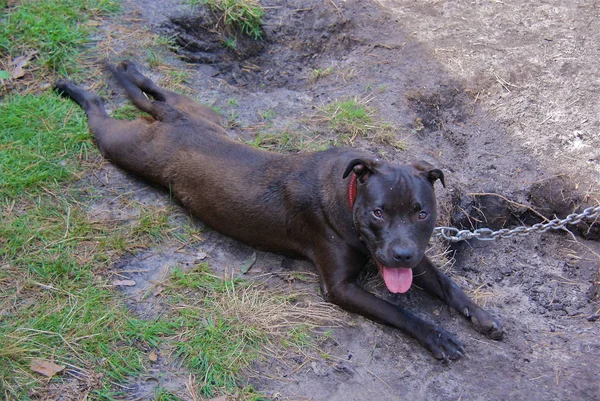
(274, 312)
(227, 324)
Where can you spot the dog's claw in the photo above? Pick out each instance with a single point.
(443, 345)
(486, 324)
(496, 332)
(493, 329)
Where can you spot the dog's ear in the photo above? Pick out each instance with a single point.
(361, 167)
(430, 172)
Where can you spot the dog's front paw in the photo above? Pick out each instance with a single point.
(443, 345)
(484, 323)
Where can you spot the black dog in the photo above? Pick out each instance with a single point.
(336, 208)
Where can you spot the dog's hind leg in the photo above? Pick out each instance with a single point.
(147, 85)
(181, 102)
(116, 139)
(92, 104)
(159, 109)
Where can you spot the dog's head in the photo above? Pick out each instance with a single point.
(394, 211)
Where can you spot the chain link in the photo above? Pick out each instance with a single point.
(453, 234)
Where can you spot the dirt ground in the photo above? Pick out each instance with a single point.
(501, 95)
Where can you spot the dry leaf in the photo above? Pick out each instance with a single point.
(18, 64)
(221, 398)
(152, 356)
(47, 368)
(126, 283)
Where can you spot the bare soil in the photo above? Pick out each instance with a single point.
(502, 96)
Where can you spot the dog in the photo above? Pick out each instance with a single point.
(336, 208)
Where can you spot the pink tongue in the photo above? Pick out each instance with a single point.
(397, 279)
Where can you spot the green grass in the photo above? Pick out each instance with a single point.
(243, 16)
(215, 347)
(54, 29)
(319, 73)
(230, 43)
(350, 115)
(56, 301)
(352, 118)
(165, 41)
(268, 114)
(42, 140)
(127, 112)
(154, 58)
(153, 223)
(161, 394)
(55, 304)
(177, 77)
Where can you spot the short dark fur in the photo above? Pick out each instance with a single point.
(293, 204)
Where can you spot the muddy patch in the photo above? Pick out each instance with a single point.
(286, 56)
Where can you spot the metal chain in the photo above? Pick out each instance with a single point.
(486, 234)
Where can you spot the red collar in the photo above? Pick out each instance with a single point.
(352, 190)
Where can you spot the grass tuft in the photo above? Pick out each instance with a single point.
(350, 116)
(53, 29)
(353, 118)
(319, 73)
(230, 43)
(244, 16)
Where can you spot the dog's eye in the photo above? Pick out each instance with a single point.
(423, 215)
(378, 213)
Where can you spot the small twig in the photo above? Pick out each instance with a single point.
(504, 83)
(335, 5)
(380, 379)
(489, 343)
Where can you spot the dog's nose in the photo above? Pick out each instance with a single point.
(402, 255)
